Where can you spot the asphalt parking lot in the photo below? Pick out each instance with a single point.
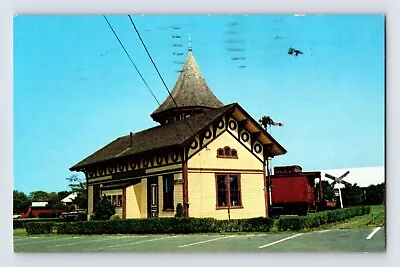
(335, 240)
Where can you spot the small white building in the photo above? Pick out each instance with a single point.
(39, 204)
(68, 199)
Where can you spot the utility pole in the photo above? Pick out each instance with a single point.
(266, 121)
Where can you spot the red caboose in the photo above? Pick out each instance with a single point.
(293, 191)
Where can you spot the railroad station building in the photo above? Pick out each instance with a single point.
(208, 156)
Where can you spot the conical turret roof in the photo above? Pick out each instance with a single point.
(190, 90)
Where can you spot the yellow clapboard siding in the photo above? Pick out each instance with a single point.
(132, 203)
(202, 185)
(178, 194)
(90, 201)
(207, 158)
(136, 200)
(202, 197)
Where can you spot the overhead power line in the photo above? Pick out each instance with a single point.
(154, 64)
(134, 65)
(152, 61)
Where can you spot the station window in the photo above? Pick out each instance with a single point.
(227, 152)
(168, 192)
(116, 200)
(228, 191)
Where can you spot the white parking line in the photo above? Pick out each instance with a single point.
(205, 241)
(89, 241)
(373, 232)
(276, 242)
(138, 242)
(46, 240)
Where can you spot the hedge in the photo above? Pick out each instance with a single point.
(39, 227)
(260, 224)
(176, 225)
(21, 223)
(320, 218)
(166, 226)
(140, 226)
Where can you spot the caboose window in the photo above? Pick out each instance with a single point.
(228, 191)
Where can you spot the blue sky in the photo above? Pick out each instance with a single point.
(75, 90)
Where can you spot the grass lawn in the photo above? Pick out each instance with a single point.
(375, 218)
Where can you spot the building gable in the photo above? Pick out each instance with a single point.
(243, 129)
(207, 157)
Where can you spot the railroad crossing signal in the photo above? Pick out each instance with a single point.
(338, 181)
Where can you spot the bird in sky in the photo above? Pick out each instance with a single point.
(294, 52)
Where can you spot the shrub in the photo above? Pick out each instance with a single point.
(317, 219)
(367, 209)
(228, 226)
(168, 225)
(21, 223)
(89, 228)
(179, 210)
(178, 225)
(18, 223)
(289, 223)
(165, 226)
(82, 216)
(39, 227)
(260, 224)
(103, 210)
(115, 217)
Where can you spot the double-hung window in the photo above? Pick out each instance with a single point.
(115, 200)
(168, 192)
(228, 191)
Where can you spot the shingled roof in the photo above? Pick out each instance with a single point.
(162, 136)
(190, 90)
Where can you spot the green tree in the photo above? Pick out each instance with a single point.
(374, 194)
(78, 186)
(179, 210)
(21, 202)
(63, 194)
(104, 209)
(328, 192)
(39, 196)
(352, 195)
(54, 202)
(265, 121)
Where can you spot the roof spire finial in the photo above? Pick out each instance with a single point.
(190, 43)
